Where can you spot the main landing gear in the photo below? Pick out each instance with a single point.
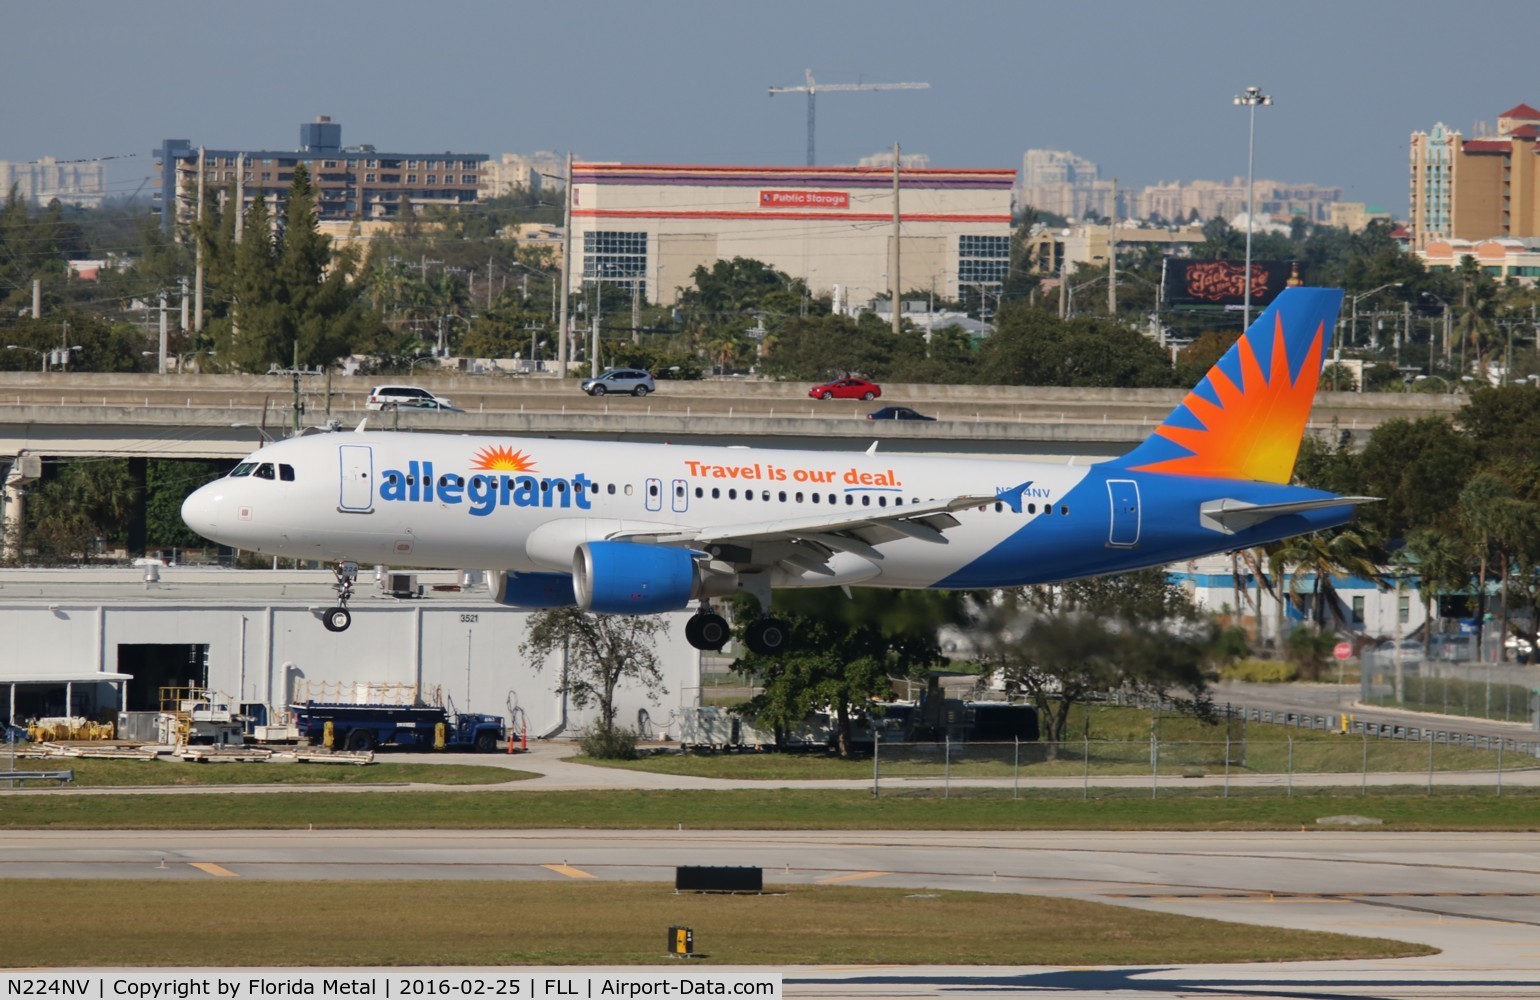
(338, 619)
(708, 630)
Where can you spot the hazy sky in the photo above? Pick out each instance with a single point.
(1144, 89)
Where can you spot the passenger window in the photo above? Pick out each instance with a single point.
(732, 494)
(1064, 511)
(799, 498)
(866, 500)
(782, 496)
(716, 493)
(1031, 508)
(699, 493)
(286, 473)
(628, 489)
(611, 489)
(765, 496)
(882, 501)
(264, 471)
(652, 489)
(850, 500)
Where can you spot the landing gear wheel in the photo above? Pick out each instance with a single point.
(707, 631)
(360, 740)
(767, 636)
(337, 619)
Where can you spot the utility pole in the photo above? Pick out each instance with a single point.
(198, 279)
(37, 298)
(1112, 255)
(160, 367)
(566, 271)
(811, 89)
(897, 305)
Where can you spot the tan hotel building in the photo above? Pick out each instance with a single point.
(653, 225)
(1477, 189)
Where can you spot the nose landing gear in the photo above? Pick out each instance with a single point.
(338, 619)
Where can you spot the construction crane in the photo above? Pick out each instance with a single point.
(812, 89)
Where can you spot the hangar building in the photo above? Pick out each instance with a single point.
(100, 640)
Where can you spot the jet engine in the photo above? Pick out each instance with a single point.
(631, 578)
(532, 590)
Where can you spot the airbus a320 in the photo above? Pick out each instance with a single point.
(642, 529)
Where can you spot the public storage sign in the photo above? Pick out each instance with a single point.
(804, 199)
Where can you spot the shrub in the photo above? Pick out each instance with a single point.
(1260, 671)
(609, 743)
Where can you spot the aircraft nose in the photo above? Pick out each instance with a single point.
(200, 511)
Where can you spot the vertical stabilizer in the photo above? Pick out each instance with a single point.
(1246, 418)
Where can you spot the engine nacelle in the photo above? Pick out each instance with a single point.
(532, 590)
(631, 578)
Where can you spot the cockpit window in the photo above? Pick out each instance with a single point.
(244, 469)
(264, 471)
(286, 473)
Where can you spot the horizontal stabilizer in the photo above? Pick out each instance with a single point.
(1229, 515)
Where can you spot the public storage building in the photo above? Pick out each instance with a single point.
(110, 639)
(647, 227)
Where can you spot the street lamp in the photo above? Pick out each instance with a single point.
(1250, 98)
(1353, 333)
(1445, 305)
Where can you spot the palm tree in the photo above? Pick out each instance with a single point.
(1443, 565)
(1324, 556)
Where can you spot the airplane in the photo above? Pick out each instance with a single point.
(649, 528)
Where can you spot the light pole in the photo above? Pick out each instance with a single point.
(1250, 98)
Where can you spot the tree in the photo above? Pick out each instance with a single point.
(603, 652)
(1061, 644)
(844, 653)
(80, 503)
(1032, 346)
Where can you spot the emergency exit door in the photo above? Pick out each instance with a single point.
(1123, 497)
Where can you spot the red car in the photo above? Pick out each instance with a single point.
(846, 388)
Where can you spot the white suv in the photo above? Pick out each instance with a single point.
(385, 396)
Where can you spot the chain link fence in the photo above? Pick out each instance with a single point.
(1505, 692)
(1410, 755)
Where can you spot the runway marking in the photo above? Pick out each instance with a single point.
(569, 871)
(850, 878)
(209, 868)
(1333, 896)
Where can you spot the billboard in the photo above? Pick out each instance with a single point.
(1223, 282)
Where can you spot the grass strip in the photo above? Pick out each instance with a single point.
(162, 771)
(235, 924)
(1405, 808)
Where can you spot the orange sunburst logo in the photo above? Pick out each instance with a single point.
(502, 459)
(1251, 430)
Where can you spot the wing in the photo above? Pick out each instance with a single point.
(805, 544)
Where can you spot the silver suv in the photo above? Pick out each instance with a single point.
(621, 380)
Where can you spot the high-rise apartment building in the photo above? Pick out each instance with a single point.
(80, 183)
(354, 182)
(1476, 189)
(1071, 186)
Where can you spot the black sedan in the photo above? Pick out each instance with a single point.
(897, 413)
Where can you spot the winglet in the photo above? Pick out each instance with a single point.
(1246, 418)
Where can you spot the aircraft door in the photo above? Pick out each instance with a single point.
(681, 496)
(357, 468)
(1123, 495)
(654, 494)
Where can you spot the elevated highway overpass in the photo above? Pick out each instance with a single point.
(222, 416)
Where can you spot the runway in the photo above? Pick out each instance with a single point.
(1476, 897)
